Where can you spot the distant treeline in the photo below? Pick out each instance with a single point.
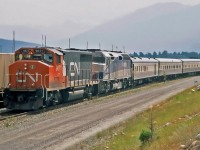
(165, 54)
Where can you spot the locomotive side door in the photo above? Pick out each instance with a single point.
(59, 77)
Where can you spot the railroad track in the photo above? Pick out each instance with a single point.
(7, 114)
(10, 114)
(73, 125)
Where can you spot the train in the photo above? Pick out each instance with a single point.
(5, 60)
(46, 76)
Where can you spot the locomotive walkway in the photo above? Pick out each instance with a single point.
(76, 123)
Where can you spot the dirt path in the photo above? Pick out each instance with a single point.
(62, 130)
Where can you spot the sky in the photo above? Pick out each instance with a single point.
(58, 19)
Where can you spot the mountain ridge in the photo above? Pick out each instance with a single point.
(166, 31)
(163, 26)
(6, 46)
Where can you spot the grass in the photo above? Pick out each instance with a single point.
(175, 122)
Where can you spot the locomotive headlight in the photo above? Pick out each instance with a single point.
(25, 68)
(25, 65)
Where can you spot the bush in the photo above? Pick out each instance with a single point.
(145, 136)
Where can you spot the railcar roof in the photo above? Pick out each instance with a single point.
(168, 60)
(190, 60)
(115, 54)
(110, 54)
(6, 53)
(143, 59)
(76, 51)
(55, 51)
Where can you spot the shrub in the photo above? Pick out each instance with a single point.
(145, 136)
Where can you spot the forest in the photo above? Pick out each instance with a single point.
(166, 54)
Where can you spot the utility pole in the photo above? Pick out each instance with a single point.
(13, 50)
(45, 41)
(99, 45)
(42, 40)
(69, 43)
(87, 45)
(124, 49)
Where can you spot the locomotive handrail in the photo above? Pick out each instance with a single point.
(45, 80)
(45, 83)
(42, 85)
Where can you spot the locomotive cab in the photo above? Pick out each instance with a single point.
(34, 72)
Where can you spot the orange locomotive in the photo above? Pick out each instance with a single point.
(47, 76)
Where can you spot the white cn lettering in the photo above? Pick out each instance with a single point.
(74, 68)
(24, 77)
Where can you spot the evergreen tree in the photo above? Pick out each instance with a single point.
(164, 54)
(155, 55)
(159, 54)
(149, 55)
(135, 54)
(141, 54)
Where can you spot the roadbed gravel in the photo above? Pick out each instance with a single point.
(63, 127)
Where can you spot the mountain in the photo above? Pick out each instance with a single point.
(164, 26)
(6, 46)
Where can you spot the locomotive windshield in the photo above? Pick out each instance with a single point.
(98, 58)
(37, 54)
(48, 57)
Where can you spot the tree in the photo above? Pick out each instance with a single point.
(141, 54)
(149, 55)
(159, 54)
(175, 55)
(135, 54)
(155, 55)
(165, 54)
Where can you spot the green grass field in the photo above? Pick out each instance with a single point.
(175, 121)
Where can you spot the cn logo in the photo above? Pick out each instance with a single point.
(74, 68)
(24, 77)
